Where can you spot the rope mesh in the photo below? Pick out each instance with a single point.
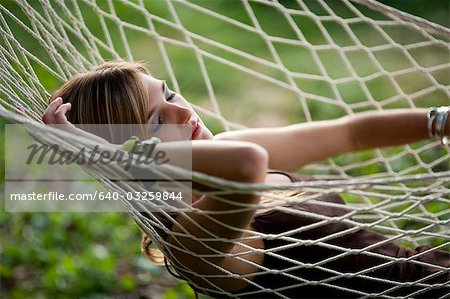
(341, 57)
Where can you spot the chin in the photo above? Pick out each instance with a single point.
(207, 135)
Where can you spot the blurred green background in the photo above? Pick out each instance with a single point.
(71, 255)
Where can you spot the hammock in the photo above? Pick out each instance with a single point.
(323, 59)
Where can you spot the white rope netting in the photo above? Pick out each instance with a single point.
(311, 60)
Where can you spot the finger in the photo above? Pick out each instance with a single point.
(55, 104)
(60, 113)
(49, 114)
(48, 118)
(20, 110)
(62, 110)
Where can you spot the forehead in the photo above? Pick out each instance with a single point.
(153, 84)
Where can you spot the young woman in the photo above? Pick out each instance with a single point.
(125, 93)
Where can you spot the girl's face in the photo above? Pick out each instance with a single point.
(168, 108)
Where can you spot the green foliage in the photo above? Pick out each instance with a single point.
(68, 254)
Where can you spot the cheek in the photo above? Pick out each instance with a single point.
(182, 101)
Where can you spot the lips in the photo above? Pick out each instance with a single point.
(196, 130)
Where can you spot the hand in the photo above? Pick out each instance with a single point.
(20, 110)
(55, 114)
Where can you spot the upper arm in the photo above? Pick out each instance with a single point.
(294, 146)
(203, 253)
(197, 232)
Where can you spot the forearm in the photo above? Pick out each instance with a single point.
(231, 160)
(388, 128)
(294, 146)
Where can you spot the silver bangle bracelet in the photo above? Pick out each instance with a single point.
(438, 117)
(431, 116)
(440, 124)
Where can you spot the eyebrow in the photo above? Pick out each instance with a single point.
(163, 88)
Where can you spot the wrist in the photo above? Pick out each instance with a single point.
(135, 145)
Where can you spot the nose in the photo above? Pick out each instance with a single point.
(178, 114)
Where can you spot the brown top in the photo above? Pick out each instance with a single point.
(276, 221)
(294, 177)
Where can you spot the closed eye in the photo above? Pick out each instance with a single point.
(155, 126)
(169, 95)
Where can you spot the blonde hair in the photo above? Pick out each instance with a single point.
(111, 93)
(150, 252)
